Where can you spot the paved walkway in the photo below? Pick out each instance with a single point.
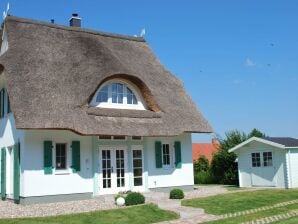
(188, 215)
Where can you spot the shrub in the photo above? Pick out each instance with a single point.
(134, 198)
(204, 177)
(176, 194)
(201, 164)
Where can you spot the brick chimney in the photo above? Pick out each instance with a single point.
(75, 20)
(215, 143)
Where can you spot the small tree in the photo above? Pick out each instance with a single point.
(256, 133)
(201, 164)
(223, 165)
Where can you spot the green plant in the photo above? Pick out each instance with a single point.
(204, 177)
(176, 194)
(134, 198)
(201, 164)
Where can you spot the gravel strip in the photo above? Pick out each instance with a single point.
(11, 210)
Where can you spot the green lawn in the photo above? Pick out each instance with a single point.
(293, 220)
(138, 214)
(239, 201)
(257, 215)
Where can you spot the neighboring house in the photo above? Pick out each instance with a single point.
(205, 149)
(268, 162)
(86, 113)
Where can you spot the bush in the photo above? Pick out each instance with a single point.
(176, 194)
(204, 177)
(134, 198)
(201, 164)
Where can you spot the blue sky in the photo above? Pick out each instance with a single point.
(238, 59)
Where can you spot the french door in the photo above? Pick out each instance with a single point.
(113, 169)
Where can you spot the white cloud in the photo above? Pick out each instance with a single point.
(250, 63)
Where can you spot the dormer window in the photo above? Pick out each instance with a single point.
(118, 94)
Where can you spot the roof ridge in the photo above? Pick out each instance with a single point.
(74, 29)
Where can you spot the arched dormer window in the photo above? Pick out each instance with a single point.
(118, 94)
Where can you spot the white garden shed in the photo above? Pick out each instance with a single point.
(268, 162)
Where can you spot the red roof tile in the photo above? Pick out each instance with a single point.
(204, 149)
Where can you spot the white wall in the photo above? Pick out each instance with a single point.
(9, 135)
(167, 177)
(293, 167)
(246, 170)
(36, 183)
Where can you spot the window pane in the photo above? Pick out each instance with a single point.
(137, 153)
(138, 181)
(137, 172)
(137, 162)
(102, 96)
(60, 156)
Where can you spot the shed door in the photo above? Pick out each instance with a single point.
(263, 171)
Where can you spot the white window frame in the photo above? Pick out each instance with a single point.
(140, 102)
(113, 138)
(67, 162)
(171, 155)
(261, 153)
(270, 165)
(137, 147)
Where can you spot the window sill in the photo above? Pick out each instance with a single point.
(62, 172)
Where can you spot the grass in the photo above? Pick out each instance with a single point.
(234, 188)
(138, 214)
(240, 201)
(257, 215)
(293, 220)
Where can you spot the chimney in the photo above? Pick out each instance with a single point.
(75, 20)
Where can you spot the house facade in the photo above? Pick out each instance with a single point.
(268, 162)
(86, 113)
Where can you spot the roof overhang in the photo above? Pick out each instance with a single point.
(256, 139)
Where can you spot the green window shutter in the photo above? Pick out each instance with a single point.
(3, 173)
(2, 103)
(158, 156)
(16, 173)
(178, 159)
(76, 157)
(8, 103)
(48, 167)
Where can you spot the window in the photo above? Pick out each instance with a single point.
(109, 137)
(131, 98)
(166, 157)
(60, 156)
(267, 158)
(102, 95)
(105, 137)
(117, 94)
(119, 137)
(256, 159)
(136, 138)
(137, 167)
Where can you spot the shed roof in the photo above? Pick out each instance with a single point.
(286, 141)
(52, 72)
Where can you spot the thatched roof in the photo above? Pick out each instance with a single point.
(53, 71)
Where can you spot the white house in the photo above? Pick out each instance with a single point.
(268, 162)
(86, 113)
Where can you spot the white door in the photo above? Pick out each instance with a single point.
(113, 169)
